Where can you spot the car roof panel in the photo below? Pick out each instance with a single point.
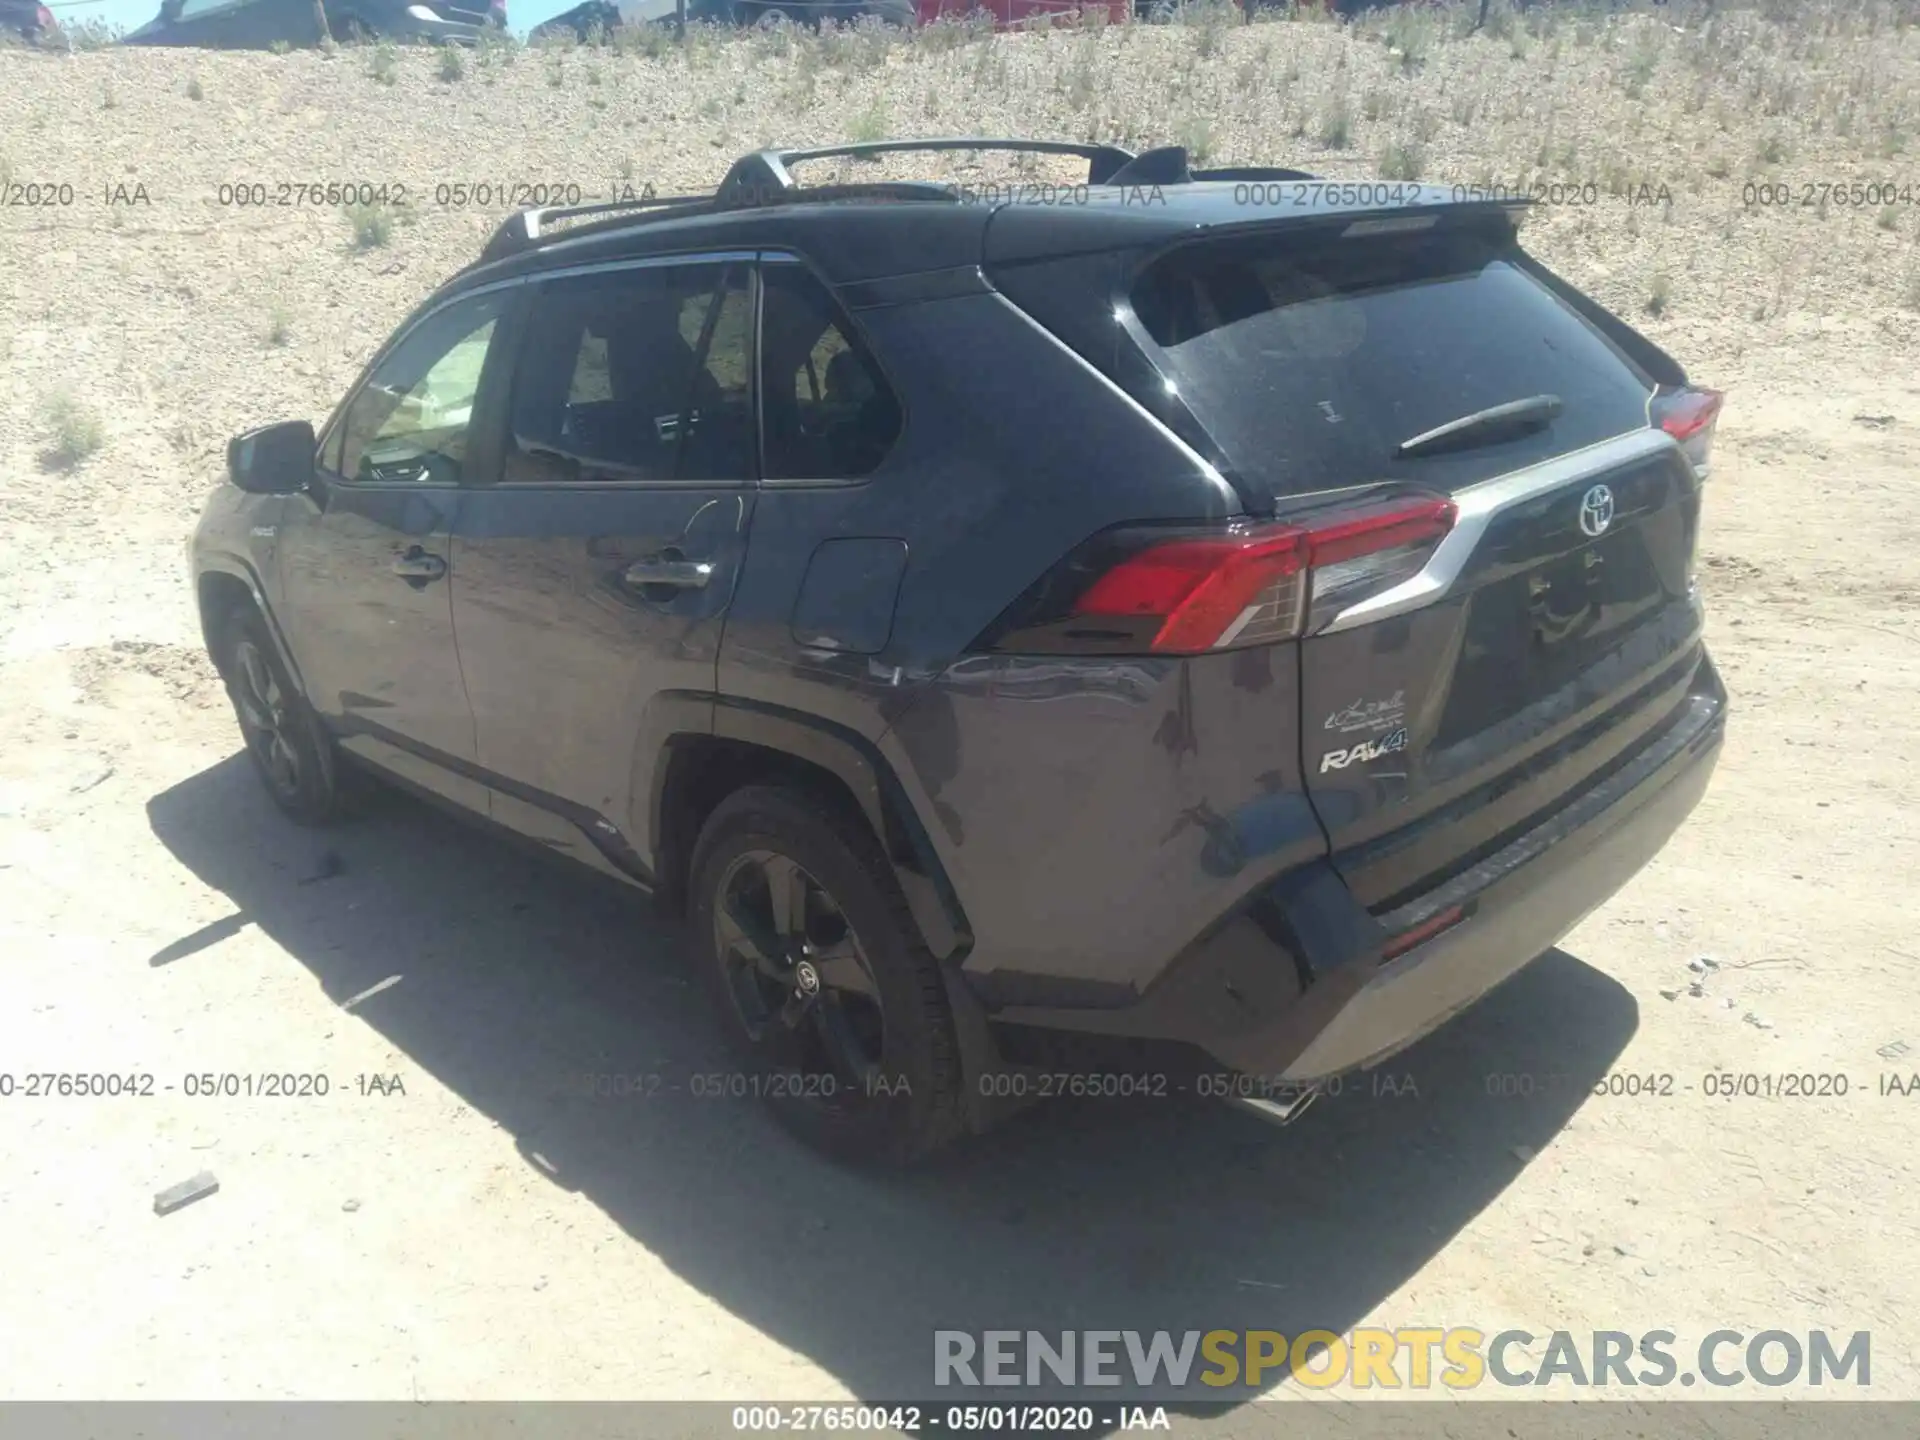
(855, 235)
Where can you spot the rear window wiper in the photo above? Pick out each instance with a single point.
(1485, 427)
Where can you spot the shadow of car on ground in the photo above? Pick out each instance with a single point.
(1147, 1215)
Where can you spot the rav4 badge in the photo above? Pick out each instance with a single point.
(1365, 750)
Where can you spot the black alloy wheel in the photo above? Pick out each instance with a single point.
(797, 976)
(823, 983)
(266, 722)
(289, 747)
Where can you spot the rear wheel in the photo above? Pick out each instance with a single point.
(292, 754)
(821, 980)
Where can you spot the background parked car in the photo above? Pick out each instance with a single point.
(28, 19)
(581, 22)
(257, 24)
(605, 16)
(1013, 14)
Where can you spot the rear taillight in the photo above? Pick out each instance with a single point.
(1142, 591)
(1689, 416)
(43, 17)
(1203, 593)
(1362, 552)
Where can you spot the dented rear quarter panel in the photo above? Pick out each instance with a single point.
(1097, 817)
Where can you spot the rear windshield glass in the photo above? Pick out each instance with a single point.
(1309, 362)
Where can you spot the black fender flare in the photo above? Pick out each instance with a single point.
(230, 566)
(860, 765)
(840, 751)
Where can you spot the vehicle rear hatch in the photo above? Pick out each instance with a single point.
(1489, 619)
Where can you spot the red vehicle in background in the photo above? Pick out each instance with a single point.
(28, 19)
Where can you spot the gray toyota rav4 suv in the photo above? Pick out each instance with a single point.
(1189, 622)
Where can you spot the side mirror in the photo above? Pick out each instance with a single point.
(273, 460)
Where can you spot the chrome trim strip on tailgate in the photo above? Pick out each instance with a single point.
(1480, 503)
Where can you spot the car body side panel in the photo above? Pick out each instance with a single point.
(571, 666)
(1018, 451)
(376, 651)
(1098, 816)
(985, 487)
(561, 659)
(1084, 812)
(239, 537)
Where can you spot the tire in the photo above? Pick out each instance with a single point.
(291, 752)
(839, 1013)
(765, 17)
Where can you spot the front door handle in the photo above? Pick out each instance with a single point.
(417, 567)
(669, 568)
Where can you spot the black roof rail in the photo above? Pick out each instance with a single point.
(529, 229)
(765, 176)
(1253, 172)
(874, 190)
(526, 228)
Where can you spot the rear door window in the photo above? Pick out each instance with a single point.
(829, 413)
(640, 374)
(1308, 362)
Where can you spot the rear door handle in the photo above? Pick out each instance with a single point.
(668, 568)
(418, 567)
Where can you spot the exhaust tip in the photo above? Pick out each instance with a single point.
(1279, 1109)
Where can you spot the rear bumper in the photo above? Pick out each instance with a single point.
(1520, 901)
(442, 32)
(1294, 990)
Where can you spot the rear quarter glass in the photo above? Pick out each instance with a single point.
(1306, 359)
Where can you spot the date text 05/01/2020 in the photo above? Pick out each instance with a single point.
(951, 1419)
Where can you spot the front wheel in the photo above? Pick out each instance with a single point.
(765, 17)
(293, 756)
(822, 982)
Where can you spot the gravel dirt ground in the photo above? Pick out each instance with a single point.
(456, 1220)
